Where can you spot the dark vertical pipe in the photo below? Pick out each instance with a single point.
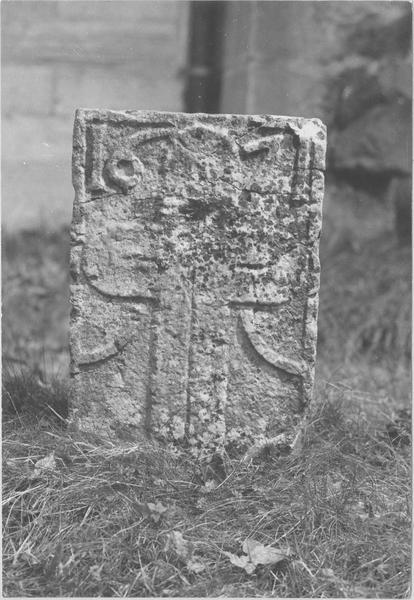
(202, 91)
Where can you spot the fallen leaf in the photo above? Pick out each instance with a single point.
(196, 566)
(328, 573)
(150, 510)
(183, 548)
(359, 509)
(210, 485)
(242, 562)
(257, 554)
(95, 572)
(47, 463)
(160, 482)
(333, 487)
(264, 555)
(156, 510)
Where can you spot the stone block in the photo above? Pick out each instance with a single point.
(121, 10)
(36, 182)
(33, 137)
(36, 194)
(80, 85)
(90, 42)
(195, 275)
(27, 90)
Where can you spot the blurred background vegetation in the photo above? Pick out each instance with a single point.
(347, 63)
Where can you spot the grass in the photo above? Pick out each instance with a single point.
(365, 303)
(85, 517)
(35, 300)
(97, 519)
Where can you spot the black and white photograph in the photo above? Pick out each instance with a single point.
(206, 231)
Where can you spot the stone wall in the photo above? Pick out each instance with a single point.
(349, 64)
(61, 55)
(279, 57)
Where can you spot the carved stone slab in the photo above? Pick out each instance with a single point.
(195, 274)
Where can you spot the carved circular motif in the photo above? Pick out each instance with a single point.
(123, 169)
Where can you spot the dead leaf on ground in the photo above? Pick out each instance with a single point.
(48, 463)
(257, 554)
(196, 565)
(242, 562)
(156, 510)
(183, 548)
(150, 510)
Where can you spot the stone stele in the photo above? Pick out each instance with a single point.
(195, 274)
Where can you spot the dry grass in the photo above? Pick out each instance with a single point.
(35, 299)
(86, 521)
(365, 302)
(89, 519)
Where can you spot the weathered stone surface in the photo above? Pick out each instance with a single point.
(195, 273)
